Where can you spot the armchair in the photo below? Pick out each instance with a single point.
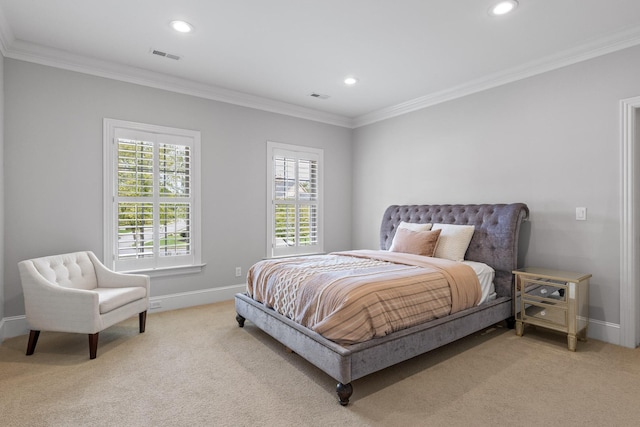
(75, 292)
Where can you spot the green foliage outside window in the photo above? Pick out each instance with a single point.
(136, 185)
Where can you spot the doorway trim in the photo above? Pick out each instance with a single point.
(629, 293)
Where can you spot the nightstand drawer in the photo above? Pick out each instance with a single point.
(547, 313)
(541, 290)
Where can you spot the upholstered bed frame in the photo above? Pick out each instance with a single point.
(494, 242)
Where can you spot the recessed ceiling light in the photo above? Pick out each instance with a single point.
(503, 7)
(350, 81)
(181, 26)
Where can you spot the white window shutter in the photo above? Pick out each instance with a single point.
(295, 203)
(151, 196)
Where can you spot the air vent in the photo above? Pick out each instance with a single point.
(164, 54)
(319, 95)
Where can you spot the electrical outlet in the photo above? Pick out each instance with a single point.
(238, 271)
(155, 304)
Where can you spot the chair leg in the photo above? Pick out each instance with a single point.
(93, 345)
(33, 340)
(143, 320)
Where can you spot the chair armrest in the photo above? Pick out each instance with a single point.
(111, 279)
(49, 306)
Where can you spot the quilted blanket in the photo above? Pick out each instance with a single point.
(350, 297)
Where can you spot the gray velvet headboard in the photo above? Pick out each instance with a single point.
(494, 241)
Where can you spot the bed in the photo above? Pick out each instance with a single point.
(494, 242)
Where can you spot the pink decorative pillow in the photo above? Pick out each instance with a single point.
(415, 242)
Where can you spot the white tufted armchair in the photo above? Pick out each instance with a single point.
(76, 293)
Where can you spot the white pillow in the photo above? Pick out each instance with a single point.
(413, 226)
(454, 240)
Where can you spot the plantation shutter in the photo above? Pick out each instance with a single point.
(295, 202)
(153, 202)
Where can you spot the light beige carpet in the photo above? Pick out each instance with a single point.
(196, 367)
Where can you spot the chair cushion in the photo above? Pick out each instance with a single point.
(112, 298)
(73, 270)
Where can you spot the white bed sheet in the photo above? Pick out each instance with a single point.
(485, 275)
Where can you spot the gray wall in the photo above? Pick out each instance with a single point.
(53, 152)
(551, 141)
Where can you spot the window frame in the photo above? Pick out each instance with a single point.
(156, 265)
(299, 152)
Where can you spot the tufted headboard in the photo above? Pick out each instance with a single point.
(494, 241)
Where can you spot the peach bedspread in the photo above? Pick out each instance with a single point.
(350, 297)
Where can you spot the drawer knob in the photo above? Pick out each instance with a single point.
(543, 291)
(543, 313)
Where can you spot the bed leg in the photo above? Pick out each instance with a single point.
(344, 393)
(511, 322)
(240, 320)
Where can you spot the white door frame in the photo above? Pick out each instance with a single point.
(629, 293)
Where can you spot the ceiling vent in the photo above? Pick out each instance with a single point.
(319, 96)
(164, 54)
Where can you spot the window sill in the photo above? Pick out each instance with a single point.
(169, 271)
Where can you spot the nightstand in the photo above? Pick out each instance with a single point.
(553, 299)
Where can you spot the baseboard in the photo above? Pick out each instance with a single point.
(604, 331)
(17, 325)
(191, 299)
(13, 326)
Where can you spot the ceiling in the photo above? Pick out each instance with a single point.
(272, 54)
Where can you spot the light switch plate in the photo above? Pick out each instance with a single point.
(581, 214)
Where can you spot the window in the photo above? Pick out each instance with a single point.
(294, 219)
(151, 196)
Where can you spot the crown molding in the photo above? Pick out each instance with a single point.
(18, 49)
(603, 46)
(29, 52)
